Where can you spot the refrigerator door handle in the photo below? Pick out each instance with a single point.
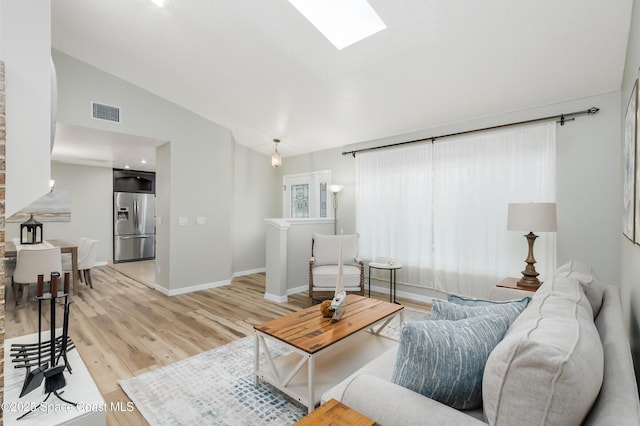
(134, 236)
(135, 214)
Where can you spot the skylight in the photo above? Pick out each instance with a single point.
(343, 22)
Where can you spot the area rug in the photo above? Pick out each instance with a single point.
(217, 388)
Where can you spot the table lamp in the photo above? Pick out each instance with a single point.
(538, 217)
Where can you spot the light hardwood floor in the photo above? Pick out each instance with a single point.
(123, 328)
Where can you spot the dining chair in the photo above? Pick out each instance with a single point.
(87, 252)
(29, 264)
(87, 259)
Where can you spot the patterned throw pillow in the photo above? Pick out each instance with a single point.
(443, 310)
(444, 360)
(460, 300)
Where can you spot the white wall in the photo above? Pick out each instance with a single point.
(630, 256)
(91, 207)
(588, 174)
(255, 197)
(199, 171)
(25, 43)
(343, 172)
(163, 212)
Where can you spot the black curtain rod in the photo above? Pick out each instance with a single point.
(562, 118)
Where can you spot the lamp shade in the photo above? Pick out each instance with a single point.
(335, 188)
(538, 217)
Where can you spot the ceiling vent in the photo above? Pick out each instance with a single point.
(105, 112)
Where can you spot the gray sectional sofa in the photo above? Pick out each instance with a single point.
(565, 360)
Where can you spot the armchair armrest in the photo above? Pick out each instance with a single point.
(358, 261)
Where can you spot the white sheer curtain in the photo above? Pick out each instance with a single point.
(441, 209)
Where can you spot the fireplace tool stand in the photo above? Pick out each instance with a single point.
(31, 355)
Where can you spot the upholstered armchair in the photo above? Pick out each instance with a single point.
(323, 265)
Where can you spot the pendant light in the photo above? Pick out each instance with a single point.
(276, 160)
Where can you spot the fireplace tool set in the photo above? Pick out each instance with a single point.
(41, 360)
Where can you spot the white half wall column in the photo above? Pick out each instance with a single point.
(276, 256)
(288, 254)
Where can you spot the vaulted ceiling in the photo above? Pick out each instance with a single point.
(259, 68)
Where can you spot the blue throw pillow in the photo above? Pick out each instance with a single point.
(444, 360)
(443, 310)
(459, 300)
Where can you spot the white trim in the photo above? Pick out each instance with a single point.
(275, 298)
(309, 221)
(384, 290)
(308, 173)
(191, 289)
(278, 223)
(248, 272)
(101, 263)
(405, 295)
(297, 290)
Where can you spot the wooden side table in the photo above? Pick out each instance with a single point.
(511, 282)
(335, 413)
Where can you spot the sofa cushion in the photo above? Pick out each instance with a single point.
(587, 278)
(468, 301)
(444, 360)
(548, 369)
(327, 247)
(442, 310)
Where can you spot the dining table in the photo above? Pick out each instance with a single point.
(65, 247)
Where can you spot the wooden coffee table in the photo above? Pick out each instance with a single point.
(335, 413)
(322, 353)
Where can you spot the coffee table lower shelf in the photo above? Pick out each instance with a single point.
(323, 372)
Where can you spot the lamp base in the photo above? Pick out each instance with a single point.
(530, 275)
(529, 282)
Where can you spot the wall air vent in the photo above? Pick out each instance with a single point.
(105, 112)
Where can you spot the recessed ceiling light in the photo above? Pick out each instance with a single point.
(343, 22)
(159, 3)
(126, 166)
(143, 161)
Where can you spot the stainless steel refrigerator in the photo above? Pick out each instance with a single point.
(134, 229)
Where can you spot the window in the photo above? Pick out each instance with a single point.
(441, 208)
(305, 195)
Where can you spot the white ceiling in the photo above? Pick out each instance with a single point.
(91, 147)
(259, 68)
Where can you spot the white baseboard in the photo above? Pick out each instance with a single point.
(405, 295)
(297, 290)
(191, 289)
(101, 263)
(275, 298)
(384, 290)
(248, 272)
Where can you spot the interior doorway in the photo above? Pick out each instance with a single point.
(143, 271)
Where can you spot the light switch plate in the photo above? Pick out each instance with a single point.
(201, 220)
(183, 220)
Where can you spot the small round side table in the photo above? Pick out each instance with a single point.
(392, 268)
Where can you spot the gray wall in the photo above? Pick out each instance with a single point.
(196, 172)
(255, 193)
(343, 172)
(630, 256)
(588, 174)
(91, 207)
